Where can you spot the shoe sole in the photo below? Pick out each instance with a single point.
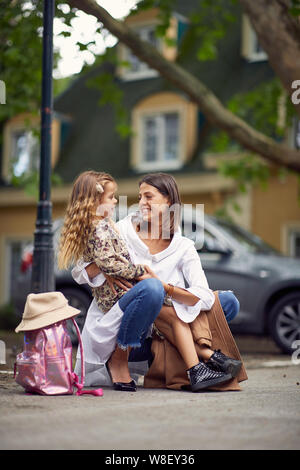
(210, 383)
(123, 387)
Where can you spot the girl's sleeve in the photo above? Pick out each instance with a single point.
(80, 275)
(196, 280)
(111, 262)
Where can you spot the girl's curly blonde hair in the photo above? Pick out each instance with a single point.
(80, 215)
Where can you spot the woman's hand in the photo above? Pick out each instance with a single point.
(149, 274)
(93, 271)
(112, 281)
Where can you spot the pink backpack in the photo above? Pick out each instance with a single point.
(45, 365)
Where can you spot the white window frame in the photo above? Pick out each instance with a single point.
(296, 132)
(30, 135)
(288, 232)
(249, 42)
(10, 129)
(160, 164)
(146, 71)
(292, 238)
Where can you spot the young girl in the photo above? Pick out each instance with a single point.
(89, 233)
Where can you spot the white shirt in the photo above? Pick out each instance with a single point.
(178, 263)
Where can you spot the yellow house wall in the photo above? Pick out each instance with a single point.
(142, 17)
(275, 209)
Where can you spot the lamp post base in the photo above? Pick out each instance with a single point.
(43, 279)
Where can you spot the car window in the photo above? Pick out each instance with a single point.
(205, 241)
(210, 243)
(250, 241)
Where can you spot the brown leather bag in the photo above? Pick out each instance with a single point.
(211, 328)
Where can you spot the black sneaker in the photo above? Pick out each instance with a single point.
(201, 376)
(221, 363)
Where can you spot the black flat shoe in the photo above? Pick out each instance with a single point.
(125, 387)
(122, 386)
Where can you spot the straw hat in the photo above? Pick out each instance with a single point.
(45, 309)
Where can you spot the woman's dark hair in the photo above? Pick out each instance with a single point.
(167, 186)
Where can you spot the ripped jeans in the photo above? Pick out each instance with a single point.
(141, 305)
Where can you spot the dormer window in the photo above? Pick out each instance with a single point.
(147, 33)
(165, 132)
(250, 48)
(144, 24)
(297, 133)
(21, 146)
(160, 140)
(24, 156)
(137, 69)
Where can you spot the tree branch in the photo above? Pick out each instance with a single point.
(209, 104)
(279, 35)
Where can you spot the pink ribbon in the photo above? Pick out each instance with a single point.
(97, 392)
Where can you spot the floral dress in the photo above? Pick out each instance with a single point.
(107, 249)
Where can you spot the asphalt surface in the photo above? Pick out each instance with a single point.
(264, 415)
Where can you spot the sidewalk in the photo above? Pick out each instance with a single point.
(264, 415)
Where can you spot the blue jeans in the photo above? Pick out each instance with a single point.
(230, 306)
(141, 305)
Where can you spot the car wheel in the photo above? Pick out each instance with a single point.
(284, 322)
(80, 300)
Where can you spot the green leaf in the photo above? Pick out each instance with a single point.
(65, 34)
(207, 51)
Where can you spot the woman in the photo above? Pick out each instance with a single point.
(153, 238)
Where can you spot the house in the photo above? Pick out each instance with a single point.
(170, 135)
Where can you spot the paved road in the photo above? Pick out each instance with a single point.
(264, 415)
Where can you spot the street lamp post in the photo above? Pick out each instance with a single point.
(43, 255)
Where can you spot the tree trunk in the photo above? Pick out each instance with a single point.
(279, 35)
(209, 104)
